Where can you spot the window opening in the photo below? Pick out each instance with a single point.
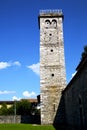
(51, 50)
(50, 34)
(81, 113)
(54, 107)
(52, 75)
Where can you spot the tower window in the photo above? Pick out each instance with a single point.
(51, 50)
(52, 75)
(47, 23)
(50, 34)
(54, 107)
(54, 23)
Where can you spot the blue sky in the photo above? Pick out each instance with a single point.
(19, 43)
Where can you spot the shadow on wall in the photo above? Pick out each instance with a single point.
(60, 118)
(60, 121)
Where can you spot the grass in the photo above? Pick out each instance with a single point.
(25, 127)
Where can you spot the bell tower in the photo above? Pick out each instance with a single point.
(52, 63)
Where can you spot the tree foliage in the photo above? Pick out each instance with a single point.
(23, 107)
(3, 110)
(84, 53)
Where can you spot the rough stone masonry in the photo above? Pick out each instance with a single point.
(52, 63)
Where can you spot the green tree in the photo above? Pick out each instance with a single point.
(23, 107)
(11, 110)
(4, 110)
(84, 53)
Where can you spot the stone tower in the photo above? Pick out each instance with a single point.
(52, 63)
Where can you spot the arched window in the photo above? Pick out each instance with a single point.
(54, 23)
(81, 112)
(47, 23)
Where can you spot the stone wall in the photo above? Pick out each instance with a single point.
(10, 119)
(34, 119)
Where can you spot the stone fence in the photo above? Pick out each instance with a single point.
(35, 119)
(10, 119)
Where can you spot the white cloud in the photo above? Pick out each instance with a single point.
(35, 68)
(15, 98)
(17, 63)
(28, 94)
(4, 65)
(7, 92)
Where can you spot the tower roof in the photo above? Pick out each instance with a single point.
(51, 12)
